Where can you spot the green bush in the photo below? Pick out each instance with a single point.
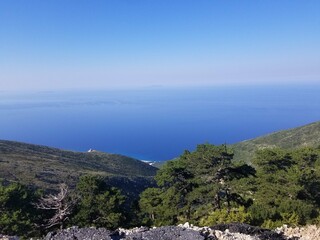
(225, 216)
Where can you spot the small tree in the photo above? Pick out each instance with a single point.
(60, 204)
(150, 202)
(99, 204)
(17, 213)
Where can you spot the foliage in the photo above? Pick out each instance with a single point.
(99, 204)
(17, 213)
(288, 184)
(24, 212)
(150, 202)
(206, 187)
(226, 216)
(193, 184)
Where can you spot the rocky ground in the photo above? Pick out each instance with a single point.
(182, 232)
(4, 237)
(310, 232)
(186, 231)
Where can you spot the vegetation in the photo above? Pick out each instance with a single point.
(289, 187)
(305, 136)
(47, 168)
(99, 205)
(26, 212)
(205, 187)
(277, 185)
(18, 216)
(59, 205)
(197, 183)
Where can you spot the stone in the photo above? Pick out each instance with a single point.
(166, 233)
(80, 234)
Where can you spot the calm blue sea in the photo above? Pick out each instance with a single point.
(155, 123)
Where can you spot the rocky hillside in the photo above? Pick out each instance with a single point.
(47, 167)
(308, 135)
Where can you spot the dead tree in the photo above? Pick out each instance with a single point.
(60, 204)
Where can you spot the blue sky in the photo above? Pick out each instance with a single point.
(75, 44)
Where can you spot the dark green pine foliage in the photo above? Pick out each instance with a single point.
(98, 205)
(287, 187)
(205, 187)
(150, 203)
(18, 215)
(189, 187)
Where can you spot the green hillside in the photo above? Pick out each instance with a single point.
(308, 135)
(47, 167)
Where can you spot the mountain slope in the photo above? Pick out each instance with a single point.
(308, 135)
(47, 167)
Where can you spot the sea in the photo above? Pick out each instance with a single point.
(154, 123)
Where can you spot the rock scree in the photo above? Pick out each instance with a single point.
(310, 232)
(81, 233)
(143, 233)
(261, 233)
(234, 231)
(5, 237)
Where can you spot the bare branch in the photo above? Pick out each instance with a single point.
(59, 203)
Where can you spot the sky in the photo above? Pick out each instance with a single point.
(98, 44)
